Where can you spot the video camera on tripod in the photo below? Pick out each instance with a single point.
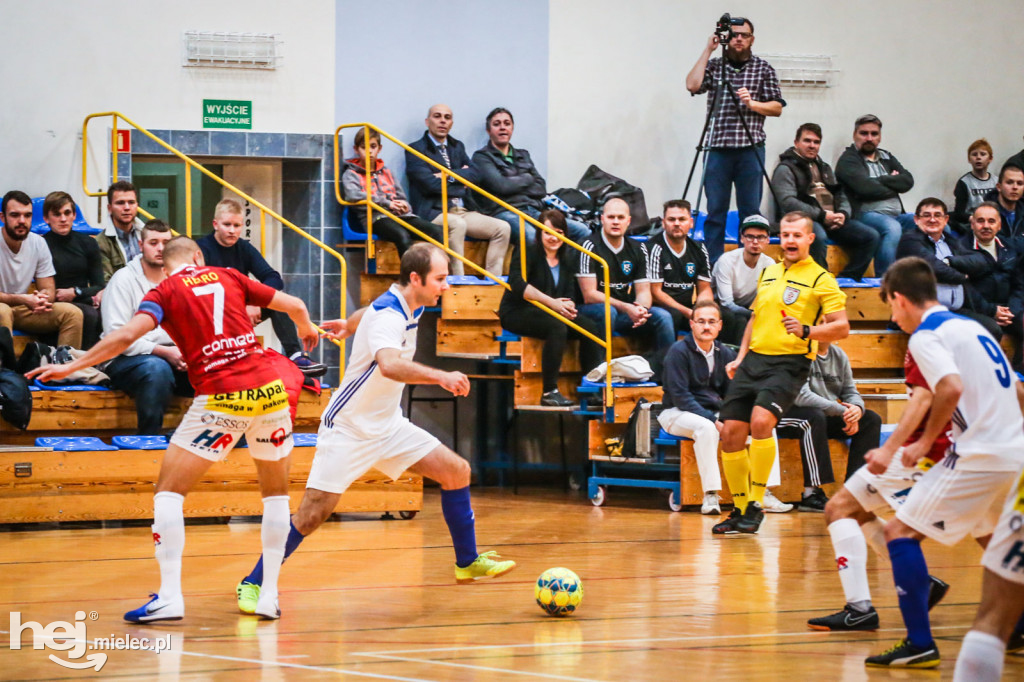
(723, 29)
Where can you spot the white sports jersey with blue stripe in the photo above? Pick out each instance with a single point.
(367, 403)
(988, 430)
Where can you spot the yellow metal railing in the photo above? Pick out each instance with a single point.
(189, 165)
(446, 173)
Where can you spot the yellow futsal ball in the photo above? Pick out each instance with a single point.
(558, 591)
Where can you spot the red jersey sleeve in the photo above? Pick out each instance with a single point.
(153, 303)
(913, 374)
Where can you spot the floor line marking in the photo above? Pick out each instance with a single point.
(299, 666)
(682, 638)
(505, 671)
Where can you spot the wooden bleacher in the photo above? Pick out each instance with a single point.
(38, 485)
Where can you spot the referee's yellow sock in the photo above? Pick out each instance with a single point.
(762, 456)
(737, 473)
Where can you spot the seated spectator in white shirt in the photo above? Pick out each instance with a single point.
(736, 274)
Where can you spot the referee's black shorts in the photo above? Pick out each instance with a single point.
(768, 381)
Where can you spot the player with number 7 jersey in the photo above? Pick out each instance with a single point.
(238, 393)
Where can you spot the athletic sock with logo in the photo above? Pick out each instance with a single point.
(762, 456)
(851, 560)
(737, 473)
(910, 573)
(295, 538)
(274, 531)
(458, 514)
(169, 541)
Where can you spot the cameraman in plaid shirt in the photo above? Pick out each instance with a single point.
(733, 156)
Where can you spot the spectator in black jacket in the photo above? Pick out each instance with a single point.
(551, 280)
(694, 380)
(874, 179)
(804, 182)
(993, 269)
(76, 258)
(930, 242)
(226, 249)
(509, 174)
(1007, 196)
(425, 192)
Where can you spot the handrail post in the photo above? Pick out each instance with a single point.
(188, 200)
(369, 192)
(113, 146)
(263, 232)
(444, 208)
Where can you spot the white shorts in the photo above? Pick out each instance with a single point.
(888, 489)
(214, 424)
(341, 457)
(948, 503)
(1005, 553)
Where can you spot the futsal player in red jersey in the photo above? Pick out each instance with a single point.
(237, 392)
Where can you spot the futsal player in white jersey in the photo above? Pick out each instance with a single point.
(363, 427)
(972, 385)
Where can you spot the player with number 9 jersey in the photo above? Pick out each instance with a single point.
(203, 310)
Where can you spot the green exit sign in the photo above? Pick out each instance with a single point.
(227, 113)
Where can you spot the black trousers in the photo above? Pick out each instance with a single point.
(391, 231)
(813, 429)
(284, 328)
(537, 324)
(92, 324)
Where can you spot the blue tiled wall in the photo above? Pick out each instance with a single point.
(307, 201)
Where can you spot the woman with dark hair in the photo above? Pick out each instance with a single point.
(550, 280)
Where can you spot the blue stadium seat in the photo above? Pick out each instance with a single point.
(472, 279)
(697, 233)
(67, 387)
(39, 225)
(304, 440)
(73, 443)
(866, 283)
(347, 233)
(140, 442)
(732, 227)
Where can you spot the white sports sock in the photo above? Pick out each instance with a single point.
(274, 534)
(874, 533)
(980, 659)
(169, 541)
(851, 560)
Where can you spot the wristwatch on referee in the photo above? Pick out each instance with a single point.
(807, 332)
(78, 291)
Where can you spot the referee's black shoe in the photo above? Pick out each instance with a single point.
(728, 527)
(751, 519)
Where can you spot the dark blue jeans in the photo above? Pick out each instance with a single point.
(658, 327)
(151, 382)
(725, 168)
(859, 241)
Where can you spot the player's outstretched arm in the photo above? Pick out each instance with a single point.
(393, 366)
(110, 346)
(296, 310)
(340, 329)
(917, 407)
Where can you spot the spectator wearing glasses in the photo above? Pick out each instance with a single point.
(736, 275)
(804, 182)
(734, 158)
(930, 242)
(874, 179)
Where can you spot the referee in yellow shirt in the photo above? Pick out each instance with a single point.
(798, 304)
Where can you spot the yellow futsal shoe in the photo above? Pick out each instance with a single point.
(487, 565)
(248, 596)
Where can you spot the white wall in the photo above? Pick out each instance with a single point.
(64, 60)
(927, 68)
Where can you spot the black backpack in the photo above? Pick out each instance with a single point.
(641, 429)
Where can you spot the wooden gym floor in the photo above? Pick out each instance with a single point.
(372, 599)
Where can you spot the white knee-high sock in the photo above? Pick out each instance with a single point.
(851, 560)
(169, 541)
(874, 533)
(980, 659)
(274, 533)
